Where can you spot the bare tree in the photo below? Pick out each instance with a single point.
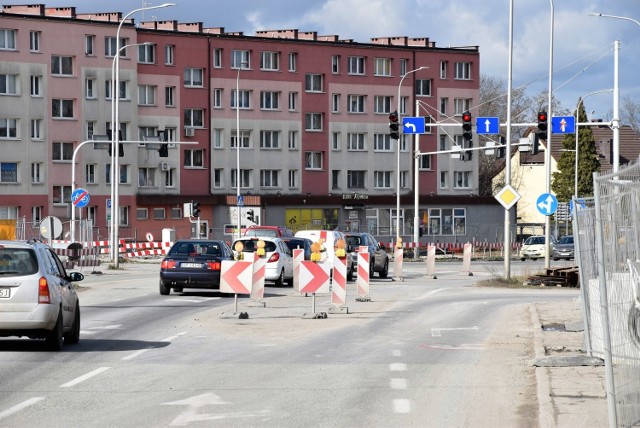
(630, 113)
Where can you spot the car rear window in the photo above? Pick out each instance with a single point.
(535, 240)
(190, 248)
(354, 240)
(270, 233)
(18, 261)
(251, 245)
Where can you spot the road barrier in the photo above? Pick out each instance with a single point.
(362, 278)
(339, 284)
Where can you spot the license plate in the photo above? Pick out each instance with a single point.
(5, 292)
(191, 265)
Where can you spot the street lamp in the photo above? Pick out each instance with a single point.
(547, 152)
(115, 128)
(398, 164)
(238, 206)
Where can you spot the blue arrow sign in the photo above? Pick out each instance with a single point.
(413, 125)
(487, 125)
(547, 204)
(80, 197)
(563, 125)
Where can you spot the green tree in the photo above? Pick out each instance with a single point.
(563, 180)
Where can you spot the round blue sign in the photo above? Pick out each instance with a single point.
(547, 204)
(80, 198)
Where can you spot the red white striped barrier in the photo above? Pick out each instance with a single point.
(314, 277)
(146, 253)
(298, 257)
(259, 271)
(362, 278)
(236, 277)
(398, 255)
(339, 287)
(466, 260)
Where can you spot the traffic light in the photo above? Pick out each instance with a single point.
(502, 151)
(467, 134)
(250, 216)
(394, 126)
(195, 209)
(535, 146)
(163, 151)
(542, 125)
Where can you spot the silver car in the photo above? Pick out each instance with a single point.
(279, 267)
(37, 295)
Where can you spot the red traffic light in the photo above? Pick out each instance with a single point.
(542, 116)
(466, 117)
(393, 117)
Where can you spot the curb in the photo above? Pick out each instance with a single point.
(545, 406)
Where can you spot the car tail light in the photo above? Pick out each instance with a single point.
(214, 265)
(168, 264)
(43, 291)
(274, 258)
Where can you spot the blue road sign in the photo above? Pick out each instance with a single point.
(563, 125)
(108, 204)
(580, 203)
(413, 125)
(80, 197)
(487, 125)
(240, 201)
(547, 204)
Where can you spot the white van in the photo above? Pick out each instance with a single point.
(330, 237)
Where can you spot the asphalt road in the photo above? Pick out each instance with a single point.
(423, 352)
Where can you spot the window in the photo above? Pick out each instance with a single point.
(8, 128)
(293, 178)
(142, 213)
(146, 177)
(62, 109)
(428, 120)
(159, 213)
(107, 173)
(382, 179)
(123, 89)
(356, 179)
(62, 151)
(217, 58)
(443, 142)
(245, 139)
(425, 162)
(240, 59)
(381, 104)
(110, 48)
(313, 160)
(293, 140)
(269, 100)
(89, 43)
(34, 41)
(7, 39)
(356, 141)
(245, 178)
(147, 95)
(335, 103)
(169, 54)
(444, 175)
(170, 96)
(194, 158)
(356, 65)
(217, 98)
(382, 67)
(313, 121)
(147, 54)
(335, 141)
(36, 215)
(293, 101)
(61, 65)
(218, 138)
(218, 174)
(293, 61)
(240, 99)
(8, 84)
(381, 143)
(462, 71)
(444, 101)
(460, 105)
(423, 87)
(169, 177)
(403, 105)
(37, 129)
(90, 170)
(403, 179)
(194, 118)
(461, 179)
(356, 103)
(313, 83)
(8, 172)
(335, 64)
(124, 174)
(61, 195)
(193, 77)
(443, 69)
(124, 216)
(146, 131)
(269, 139)
(90, 88)
(36, 86)
(270, 61)
(404, 66)
(269, 178)
(37, 170)
(335, 179)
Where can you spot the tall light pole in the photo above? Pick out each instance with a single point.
(547, 152)
(398, 164)
(238, 206)
(115, 138)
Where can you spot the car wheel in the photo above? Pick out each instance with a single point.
(53, 340)
(555, 259)
(164, 290)
(280, 280)
(385, 272)
(73, 336)
(522, 259)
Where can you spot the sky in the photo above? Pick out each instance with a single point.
(583, 45)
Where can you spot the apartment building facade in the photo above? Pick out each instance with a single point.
(298, 120)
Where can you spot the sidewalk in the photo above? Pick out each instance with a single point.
(571, 386)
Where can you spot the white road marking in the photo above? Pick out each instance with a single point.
(142, 351)
(437, 290)
(192, 300)
(397, 353)
(437, 331)
(398, 383)
(401, 405)
(15, 409)
(84, 377)
(170, 338)
(398, 367)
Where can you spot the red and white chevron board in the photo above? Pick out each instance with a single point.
(398, 254)
(236, 277)
(259, 271)
(298, 256)
(314, 277)
(362, 278)
(339, 286)
(146, 253)
(144, 245)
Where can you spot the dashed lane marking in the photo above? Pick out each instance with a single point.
(401, 405)
(15, 409)
(84, 377)
(398, 367)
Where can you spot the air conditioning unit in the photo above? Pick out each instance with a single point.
(188, 132)
(164, 166)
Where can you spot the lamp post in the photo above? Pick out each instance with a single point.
(115, 128)
(547, 152)
(238, 206)
(398, 163)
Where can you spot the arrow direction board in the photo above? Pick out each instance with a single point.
(487, 125)
(80, 197)
(314, 277)
(547, 204)
(236, 277)
(413, 125)
(563, 125)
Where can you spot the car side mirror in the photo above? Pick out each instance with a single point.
(75, 276)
